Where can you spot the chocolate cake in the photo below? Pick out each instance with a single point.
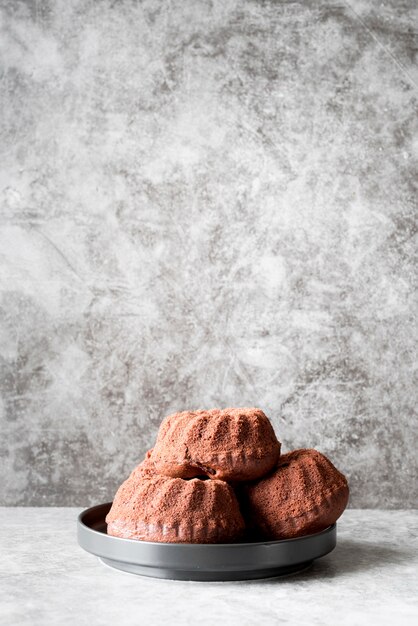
(150, 507)
(303, 495)
(235, 444)
(180, 491)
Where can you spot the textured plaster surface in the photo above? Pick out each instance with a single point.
(46, 578)
(206, 204)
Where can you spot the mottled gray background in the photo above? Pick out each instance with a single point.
(206, 204)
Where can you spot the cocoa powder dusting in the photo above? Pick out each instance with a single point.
(303, 495)
(234, 444)
(180, 494)
(150, 507)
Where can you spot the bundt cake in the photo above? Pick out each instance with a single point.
(303, 495)
(150, 507)
(234, 444)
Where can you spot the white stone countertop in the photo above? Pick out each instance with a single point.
(46, 578)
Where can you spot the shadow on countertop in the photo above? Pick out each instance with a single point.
(350, 556)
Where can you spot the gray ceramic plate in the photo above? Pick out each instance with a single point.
(227, 561)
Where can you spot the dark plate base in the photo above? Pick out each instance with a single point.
(176, 574)
(202, 562)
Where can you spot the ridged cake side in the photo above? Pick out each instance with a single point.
(304, 494)
(232, 444)
(157, 508)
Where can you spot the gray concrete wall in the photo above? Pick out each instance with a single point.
(206, 204)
